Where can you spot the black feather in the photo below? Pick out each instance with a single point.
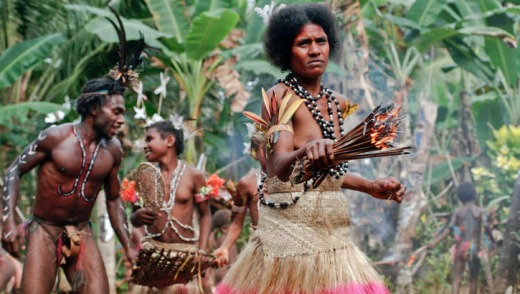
(137, 58)
(122, 39)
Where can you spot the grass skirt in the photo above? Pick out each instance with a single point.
(305, 248)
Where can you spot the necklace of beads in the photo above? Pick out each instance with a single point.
(167, 207)
(281, 205)
(327, 127)
(89, 170)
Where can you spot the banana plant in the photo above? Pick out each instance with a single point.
(193, 32)
(479, 36)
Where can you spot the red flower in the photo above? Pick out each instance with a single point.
(215, 183)
(127, 191)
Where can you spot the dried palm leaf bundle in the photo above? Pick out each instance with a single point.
(373, 137)
(278, 117)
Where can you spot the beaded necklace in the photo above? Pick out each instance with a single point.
(167, 207)
(89, 170)
(279, 205)
(327, 127)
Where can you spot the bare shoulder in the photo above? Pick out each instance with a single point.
(194, 173)
(341, 98)
(114, 147)
(247, 179)
(53, 135)
(281, 91)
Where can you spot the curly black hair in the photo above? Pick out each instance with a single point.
(95, 93)
(287, 22)
(166, 128)
(466, 192)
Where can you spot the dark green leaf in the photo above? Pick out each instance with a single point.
(442, 171)
(105, 31)
(433, 36)
(258, 66)
(425, 12)
(21, 57)
(171, 17)
(466, 58)
(208, 30)
(210, 5)
(504, 58)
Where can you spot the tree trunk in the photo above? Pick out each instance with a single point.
(106, 242)
(465, 141)
(509, 264)
(414, 200)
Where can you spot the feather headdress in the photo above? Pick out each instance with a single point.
(278, 116)
(125, 68)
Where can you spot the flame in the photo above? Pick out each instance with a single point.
(384, 127)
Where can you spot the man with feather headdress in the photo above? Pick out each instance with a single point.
(74, 160)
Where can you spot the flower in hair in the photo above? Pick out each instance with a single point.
(177, 121)
(155, 118)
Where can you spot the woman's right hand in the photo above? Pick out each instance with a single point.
(320, 152)
(143, 216)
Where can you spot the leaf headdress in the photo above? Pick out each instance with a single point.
(278, 116)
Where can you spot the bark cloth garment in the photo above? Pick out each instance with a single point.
(67, 241)
(305, 248)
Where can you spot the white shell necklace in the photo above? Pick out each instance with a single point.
(168, 207)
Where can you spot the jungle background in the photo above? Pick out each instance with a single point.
(453, 64)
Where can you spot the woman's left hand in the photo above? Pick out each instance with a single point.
(387, 189)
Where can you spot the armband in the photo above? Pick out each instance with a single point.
(199, 197)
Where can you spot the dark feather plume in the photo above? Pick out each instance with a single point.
(121, 34)
(137, 58)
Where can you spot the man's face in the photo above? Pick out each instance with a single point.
(155, 146)
(110, 116)
(310, 52)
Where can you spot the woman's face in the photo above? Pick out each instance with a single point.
(310, 52)
(155, 145)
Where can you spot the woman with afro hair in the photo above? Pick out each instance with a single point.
(303, 243)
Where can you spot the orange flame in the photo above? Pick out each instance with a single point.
(384, 129)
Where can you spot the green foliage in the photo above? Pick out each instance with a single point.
(23, 56)
(19, 113)
(441, 171)
(207, 30)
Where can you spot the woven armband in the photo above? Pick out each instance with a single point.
(279, 128)
(199, 197)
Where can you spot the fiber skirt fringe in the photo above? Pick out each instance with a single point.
(303, 249)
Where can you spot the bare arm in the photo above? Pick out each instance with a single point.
(32, 156)
(241, 199)
(116, 209)
(204, 212)
(386, 188)
(318, 151)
